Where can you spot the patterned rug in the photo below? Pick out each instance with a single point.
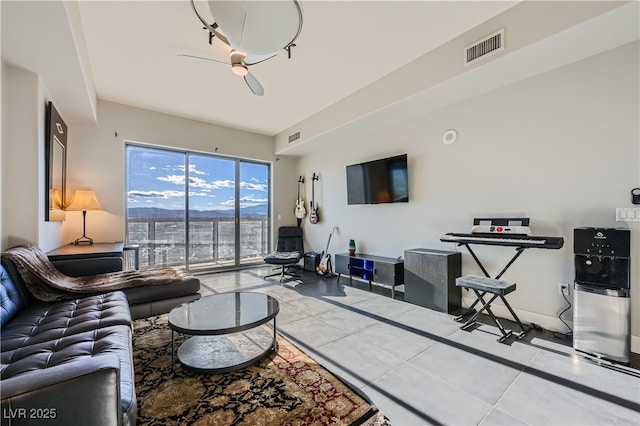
(287, 388)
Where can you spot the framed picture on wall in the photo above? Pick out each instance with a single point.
(56, 165)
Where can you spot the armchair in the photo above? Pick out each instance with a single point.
(289, 251)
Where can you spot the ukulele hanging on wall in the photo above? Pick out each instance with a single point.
(313, 216)
(300, 210)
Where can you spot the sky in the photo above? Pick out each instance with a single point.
(156, 178)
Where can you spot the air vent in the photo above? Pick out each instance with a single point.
(482, 48)
(294, 136)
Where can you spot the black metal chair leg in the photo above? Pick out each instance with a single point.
(486, 306)
(522, 327)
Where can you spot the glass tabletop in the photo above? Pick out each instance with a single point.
(223, 313)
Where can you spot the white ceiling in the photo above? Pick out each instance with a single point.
(126, 52)
(344, 46)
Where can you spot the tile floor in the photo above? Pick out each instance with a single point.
(419, 368)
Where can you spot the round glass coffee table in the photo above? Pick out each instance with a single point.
(225, 330)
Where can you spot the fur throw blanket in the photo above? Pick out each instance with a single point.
(48, 284)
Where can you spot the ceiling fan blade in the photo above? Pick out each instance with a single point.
(252, 59)
(254, 84)
(201, 59)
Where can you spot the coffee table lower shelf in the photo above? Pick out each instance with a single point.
(226, 352)
(229, 331)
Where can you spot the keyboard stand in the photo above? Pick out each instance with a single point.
(480, 294)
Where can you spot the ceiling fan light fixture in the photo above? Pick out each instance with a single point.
(239, 69)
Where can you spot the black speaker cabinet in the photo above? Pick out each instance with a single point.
(311, 261)
(430, 279)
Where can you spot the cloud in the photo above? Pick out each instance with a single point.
(156, 194)
(175, 179)
(224, 183)
(201, 183)
(253, 186)
(251, 199)
(245, 201)
(196, 182)
(192, 169)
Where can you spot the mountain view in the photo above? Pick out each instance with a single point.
(159, 185)
(258, 211)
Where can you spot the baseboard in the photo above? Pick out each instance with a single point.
(545, 321)
(635, 344)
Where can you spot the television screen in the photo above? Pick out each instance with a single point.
(379, 181)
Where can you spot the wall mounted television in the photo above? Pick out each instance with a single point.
(380, 181)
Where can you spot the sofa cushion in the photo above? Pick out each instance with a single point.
(44, 321)
(115, 340)
(180, 288)
(13, 295)
(159, 307)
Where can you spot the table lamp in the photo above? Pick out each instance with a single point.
(83, 200)
(55, 200)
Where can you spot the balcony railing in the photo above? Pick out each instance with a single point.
(211, 241)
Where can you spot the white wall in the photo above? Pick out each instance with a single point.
(96, 156)
(3, 149)
(561, 148)
(2, 101)
(24, 98)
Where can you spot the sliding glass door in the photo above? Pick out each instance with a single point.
(253, 196)
(195, 210)
(156, 213)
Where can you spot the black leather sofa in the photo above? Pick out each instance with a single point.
(143, 301)
(70, 362)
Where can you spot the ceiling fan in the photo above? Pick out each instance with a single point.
(254, 30)
(239, 66)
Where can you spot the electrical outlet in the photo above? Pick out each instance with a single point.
(563, 289)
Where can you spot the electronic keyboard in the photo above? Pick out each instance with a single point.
(513, 240)
(501, 225)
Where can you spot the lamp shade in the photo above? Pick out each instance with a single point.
(55, 200)
(84, 199)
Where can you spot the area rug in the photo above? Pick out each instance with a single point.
(288, 388)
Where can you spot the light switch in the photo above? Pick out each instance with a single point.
(628, 214)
